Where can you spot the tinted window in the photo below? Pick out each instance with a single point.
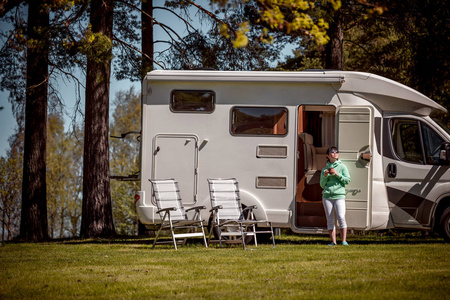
(259, 120)
(411, 138)
(406, 140)
(192, 101)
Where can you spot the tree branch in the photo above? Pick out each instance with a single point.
(136, 49)
(7, 5)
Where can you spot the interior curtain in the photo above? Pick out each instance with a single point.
(328, 129)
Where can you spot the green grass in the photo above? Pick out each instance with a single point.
(372, 267)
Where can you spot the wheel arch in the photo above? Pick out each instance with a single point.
(248, 199)
(443, 203)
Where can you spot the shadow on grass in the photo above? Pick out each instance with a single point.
(366, 238)
(362, 238)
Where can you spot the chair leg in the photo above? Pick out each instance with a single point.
(220, 235)
(204, 236)
(156, 237)
(273, 236)
(210, 232)
(173, 238)
(254, 235)
(243, 236)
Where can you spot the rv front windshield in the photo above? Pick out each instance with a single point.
(442, 124)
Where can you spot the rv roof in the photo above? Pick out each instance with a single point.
(385, 93)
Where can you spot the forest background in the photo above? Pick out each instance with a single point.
(408, 42)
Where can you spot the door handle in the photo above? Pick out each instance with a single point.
(392, 170)
(156, 150)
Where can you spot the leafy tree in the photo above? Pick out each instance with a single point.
(64, 179)
(125, 159)
(25, 59)
(215, 51)
(405, 44)
(34, 194)
(290, 16)
(425, 29)
(10, 187)
(350, 14)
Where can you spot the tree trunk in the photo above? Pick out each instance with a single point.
(34, 226)
(147, 57)
(335, 47)
(147, 36)
(96, 220)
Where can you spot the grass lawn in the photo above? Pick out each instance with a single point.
(301, 266)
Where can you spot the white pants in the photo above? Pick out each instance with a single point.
(337, 205)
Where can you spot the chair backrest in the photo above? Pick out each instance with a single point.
(309, 150)
(321, 157)
(225, 192)
(167, 195)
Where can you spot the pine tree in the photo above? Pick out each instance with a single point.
(97, 220)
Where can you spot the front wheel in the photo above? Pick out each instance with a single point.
(444, 224)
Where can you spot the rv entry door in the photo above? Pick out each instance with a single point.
(176, 156)
(355, 145)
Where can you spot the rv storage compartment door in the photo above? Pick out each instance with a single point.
(176, 156)
(354, 137)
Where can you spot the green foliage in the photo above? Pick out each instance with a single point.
(96, 46)
(288, 16)
(300, 267)
(398, 40)
(11, 188)
(64, 180)
(216, 51)
(124, 160)
(405, 44)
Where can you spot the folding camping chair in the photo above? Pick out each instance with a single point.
(228, 217)
(173, 215)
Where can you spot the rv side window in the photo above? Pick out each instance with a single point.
(192, 101)
(412, 138)
(259, 120)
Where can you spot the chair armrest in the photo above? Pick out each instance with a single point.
(196, 208)
(215, 208)
(166, 209)
(251, 207)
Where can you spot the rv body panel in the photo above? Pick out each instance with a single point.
(414, 179)
(310, 111)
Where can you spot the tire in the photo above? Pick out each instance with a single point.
(444, 225)
(264, 238)
(248, 239)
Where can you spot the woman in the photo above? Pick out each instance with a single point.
(333, 179)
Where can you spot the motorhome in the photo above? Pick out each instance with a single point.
(270, 131)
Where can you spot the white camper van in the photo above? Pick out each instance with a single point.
(270, 131)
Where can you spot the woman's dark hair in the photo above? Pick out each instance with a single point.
(329, 150)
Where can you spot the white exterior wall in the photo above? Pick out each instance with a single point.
(225, 155)
(222, 155)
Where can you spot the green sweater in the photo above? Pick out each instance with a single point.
(334, 185)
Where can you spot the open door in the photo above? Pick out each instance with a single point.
(176, 156)
(316, 128)
(354, 133)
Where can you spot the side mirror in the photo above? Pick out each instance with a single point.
(444, 154)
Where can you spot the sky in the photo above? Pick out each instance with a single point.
(68, 89)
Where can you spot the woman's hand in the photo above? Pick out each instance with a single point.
(332, 171)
